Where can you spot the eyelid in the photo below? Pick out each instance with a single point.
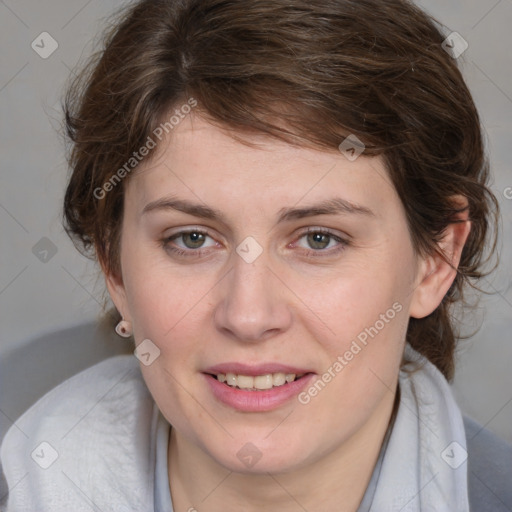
(186, 230)
(325, 231)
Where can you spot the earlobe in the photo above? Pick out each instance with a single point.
(437, 273)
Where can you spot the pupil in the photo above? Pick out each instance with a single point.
(193, 240)
(318, 240)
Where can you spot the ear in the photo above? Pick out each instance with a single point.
(436, 274)
(117, 292)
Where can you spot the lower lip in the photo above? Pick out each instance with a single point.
(257, 401)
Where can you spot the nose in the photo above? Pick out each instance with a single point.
(253, 302)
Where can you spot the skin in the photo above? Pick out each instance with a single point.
(291, 305)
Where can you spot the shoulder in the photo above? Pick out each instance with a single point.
(91, 387)
(95, 386)
(489, 469)
(103, 417)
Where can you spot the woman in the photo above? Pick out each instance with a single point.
(286, 199)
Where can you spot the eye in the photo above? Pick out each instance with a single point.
(192, 239)
(188, 242)
(316, 240)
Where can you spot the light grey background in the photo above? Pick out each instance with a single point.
(37, 298)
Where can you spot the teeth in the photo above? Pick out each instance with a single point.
(278, 379)
(244, 382)
(260, 382)
(263, 381)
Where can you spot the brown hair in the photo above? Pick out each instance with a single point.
(308, 72)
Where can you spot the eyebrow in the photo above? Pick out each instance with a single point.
(182, 205)
(333, 206)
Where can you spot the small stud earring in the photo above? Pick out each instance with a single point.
(123, 328)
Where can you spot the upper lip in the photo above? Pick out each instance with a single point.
(254, 370)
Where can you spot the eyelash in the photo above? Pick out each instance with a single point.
(309, 252)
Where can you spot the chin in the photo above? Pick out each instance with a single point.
(245, 457)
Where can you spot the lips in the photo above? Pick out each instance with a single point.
(256, 388)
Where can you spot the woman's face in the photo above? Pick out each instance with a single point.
(266, 261)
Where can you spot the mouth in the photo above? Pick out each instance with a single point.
(256, 389)
(257, 382)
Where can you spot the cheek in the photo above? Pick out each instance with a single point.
(361, 321)
(344, 304)
(362, 332)
(366, 316)
(161, 298)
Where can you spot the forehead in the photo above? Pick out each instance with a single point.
(202, 161)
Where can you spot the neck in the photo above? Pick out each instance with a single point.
(336, 481)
